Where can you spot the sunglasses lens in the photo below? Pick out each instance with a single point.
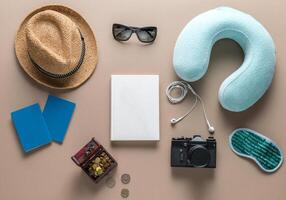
(147, 34)
(121, 33)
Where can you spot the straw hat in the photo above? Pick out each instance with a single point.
(56, 47)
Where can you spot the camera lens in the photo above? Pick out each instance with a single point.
(197, 138)
(199, 156)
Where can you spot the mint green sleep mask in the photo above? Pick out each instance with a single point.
(251, 144)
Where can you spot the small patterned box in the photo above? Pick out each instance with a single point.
(94, 160)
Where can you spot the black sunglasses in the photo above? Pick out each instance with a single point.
(144, 34)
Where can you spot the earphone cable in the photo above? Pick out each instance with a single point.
(184, 88)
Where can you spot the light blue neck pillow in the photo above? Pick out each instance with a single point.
(250, 81)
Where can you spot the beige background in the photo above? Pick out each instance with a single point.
(49, 172)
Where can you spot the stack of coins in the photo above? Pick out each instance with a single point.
(99, 164)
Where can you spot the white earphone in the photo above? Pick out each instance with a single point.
(184, 87)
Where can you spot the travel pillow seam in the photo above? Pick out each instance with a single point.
(239, 75)
(214, 42)
(211, 47)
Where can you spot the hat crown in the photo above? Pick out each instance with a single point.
(53, 42)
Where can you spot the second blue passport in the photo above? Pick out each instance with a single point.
(57, 114)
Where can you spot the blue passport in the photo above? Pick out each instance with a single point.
(57, 114)
(31, 127)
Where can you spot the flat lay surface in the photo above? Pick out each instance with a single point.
(49, 173)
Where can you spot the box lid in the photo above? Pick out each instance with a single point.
(86, 152)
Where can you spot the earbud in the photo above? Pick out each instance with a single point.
(174, 121)
(211, 130)
(184, 87)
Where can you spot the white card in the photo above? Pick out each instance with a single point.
(135, 107)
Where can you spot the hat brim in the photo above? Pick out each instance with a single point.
(90, 59)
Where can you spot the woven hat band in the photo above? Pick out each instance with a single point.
(66, 75)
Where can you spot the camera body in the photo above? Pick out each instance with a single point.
(193, 152)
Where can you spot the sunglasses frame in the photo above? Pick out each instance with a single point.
(134, 30)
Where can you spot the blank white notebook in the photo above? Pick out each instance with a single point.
(134, 107)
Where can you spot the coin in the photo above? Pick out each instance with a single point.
(110, 182)
(124, 193)
(125, 178)
(97, 160)
(98, 171)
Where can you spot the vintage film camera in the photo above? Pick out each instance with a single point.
(193, 152)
